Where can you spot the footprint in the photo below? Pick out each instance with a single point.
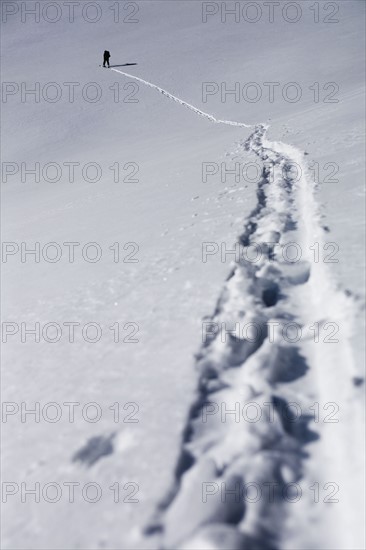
(94, 449)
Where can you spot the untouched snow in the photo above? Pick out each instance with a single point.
(170, 442)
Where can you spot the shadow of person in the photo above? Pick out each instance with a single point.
(124, 65)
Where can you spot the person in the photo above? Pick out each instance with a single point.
(106, 57)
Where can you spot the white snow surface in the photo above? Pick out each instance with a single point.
(170, 378)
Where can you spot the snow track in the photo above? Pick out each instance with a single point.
(257, 373)
(184, 103)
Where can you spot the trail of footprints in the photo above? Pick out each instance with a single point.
(219, 455)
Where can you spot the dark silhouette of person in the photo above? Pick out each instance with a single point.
(106, 57)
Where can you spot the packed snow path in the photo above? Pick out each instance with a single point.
(221, 453)
(184, 103)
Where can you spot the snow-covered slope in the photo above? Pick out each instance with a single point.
(164, 206)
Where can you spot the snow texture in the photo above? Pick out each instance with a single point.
(188, 459)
